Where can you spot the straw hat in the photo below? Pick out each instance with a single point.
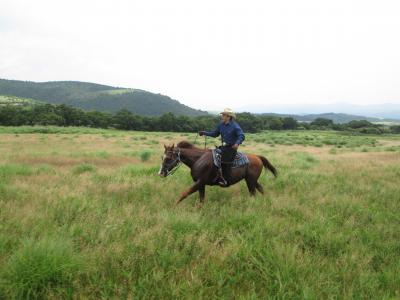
(228, 112)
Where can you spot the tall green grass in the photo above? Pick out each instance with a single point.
(40, 268)
(326, 228)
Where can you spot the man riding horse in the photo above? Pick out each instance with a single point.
(201, 161)
(231, 136)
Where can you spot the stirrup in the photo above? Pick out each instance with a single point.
(222, 182)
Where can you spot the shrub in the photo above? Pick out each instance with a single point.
(145, 155)
(84, 168)
(333, 151)
(369, 130)
(39, 267)
(390, 149)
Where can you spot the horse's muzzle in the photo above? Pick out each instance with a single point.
(162, 174)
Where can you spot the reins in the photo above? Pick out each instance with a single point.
(205, 140)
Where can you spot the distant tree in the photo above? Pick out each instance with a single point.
(72, 116)
(289, 123)
(249, 122)
(64, 115)
(306, 125)
(124, 119)
(149, 123)
(168, 122)
(49, 118)
(322, 122)
(359, 124)
(11, 115)
(186, 124)
(338, 127)
(395, 129)
(207, 122)
(99, 119)
(275, 123)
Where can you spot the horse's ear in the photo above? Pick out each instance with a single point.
(173, 145)
(165, 147)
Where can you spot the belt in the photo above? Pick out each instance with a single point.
(226, 144)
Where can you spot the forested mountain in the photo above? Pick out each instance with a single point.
(103, 98)
(91, 96)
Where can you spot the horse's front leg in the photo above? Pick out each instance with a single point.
(195, 187)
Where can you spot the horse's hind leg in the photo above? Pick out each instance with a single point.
(251, 185)
(260, 188)
(195, 187)
(202, 192)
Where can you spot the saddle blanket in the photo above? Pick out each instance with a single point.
(240, 160)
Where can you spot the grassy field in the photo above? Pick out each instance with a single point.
(83, 214)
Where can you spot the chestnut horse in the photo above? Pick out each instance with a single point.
(204, 172)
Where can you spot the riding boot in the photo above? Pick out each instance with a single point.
(221, 180)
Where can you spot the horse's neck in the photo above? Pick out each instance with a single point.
(190, 156)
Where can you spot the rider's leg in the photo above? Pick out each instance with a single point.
(220, 178)
(228, 156)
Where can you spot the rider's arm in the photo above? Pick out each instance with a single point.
(240, 135)
(213, 133)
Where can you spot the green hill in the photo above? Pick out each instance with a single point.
(335, 117)
(91, 96)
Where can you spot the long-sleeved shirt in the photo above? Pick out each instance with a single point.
(231, 133)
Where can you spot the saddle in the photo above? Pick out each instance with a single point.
(240, 160)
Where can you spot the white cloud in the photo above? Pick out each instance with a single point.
(211, 54)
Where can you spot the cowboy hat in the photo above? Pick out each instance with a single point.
(228, 112)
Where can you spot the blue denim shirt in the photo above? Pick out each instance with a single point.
(231, 133)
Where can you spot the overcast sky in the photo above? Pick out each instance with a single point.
(211, 54)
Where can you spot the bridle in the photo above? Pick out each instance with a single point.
(176, 161)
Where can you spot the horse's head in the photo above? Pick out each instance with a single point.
(170, 159)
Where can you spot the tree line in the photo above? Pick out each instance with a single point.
(64, 115)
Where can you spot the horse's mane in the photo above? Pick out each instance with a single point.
(187, 145)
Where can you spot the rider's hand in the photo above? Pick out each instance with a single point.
(201, 133)
(236, 146)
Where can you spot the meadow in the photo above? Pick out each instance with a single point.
(83, 214)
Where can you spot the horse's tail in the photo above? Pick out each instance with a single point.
(268, 165)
